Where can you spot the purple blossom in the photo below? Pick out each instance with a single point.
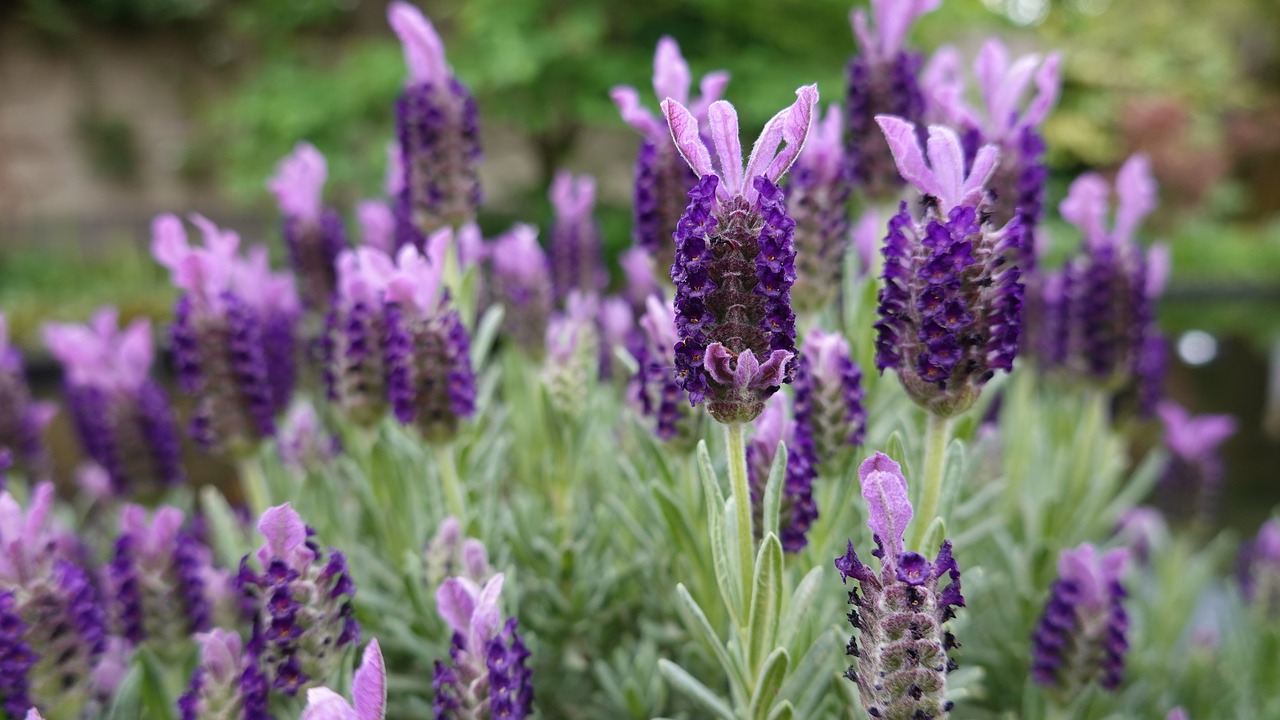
(1194, 473)
(300, 602)
(818, 198)
(123, 417)
(227, 679)
(438, 128)
(522, 283)
(22, 419)
(304, 442)
(655, 390)
(865, 237)
(882, 80)
(901, 647)
(233, 337)
(368, 693)
(486, 675)
(1260, 569)
(662, 179)
(951, 306)
(829, 411)
(377, 226)
(798, 510)
(735, 261)
(450, 554)
(355, 366)
(1142, 529)
(1081, 635)
(572, 353)
(641, 280)
(313, 233)
(575, 238)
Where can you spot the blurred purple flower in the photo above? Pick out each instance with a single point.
(817, 199)
(227, 676)
(22, 419)
(313, 233)
(368, 693)
(1081, 634)
(829, 411)
(575, 246)
(487, 668)
(798, 510)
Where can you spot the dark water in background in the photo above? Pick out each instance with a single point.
(1236, 380)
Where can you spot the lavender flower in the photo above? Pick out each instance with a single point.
(313, 233)
(829, 412)
(22, 419)
(428, 351)
(1194, 473)
(655, 390)
(304, 443)
(1260, 569)
(1018, 180)
(641, 281)
(233, 337)
(662, 179)
(487, 676)
(123, 417)
(865, 238)
(951, 306)
(368, 693)
(901, 646)
(522, 283)
(882, 80)
(355, 366)
(51, 623)
(438, 126)
(1103, 301)
(227, 683)
(1081, 635)
(735, 262)
(300, 601)
(798, 511)
(575, 239)
(573, 354)
(817, 198)
(1142, 529)
(450, 554)
(377, 226)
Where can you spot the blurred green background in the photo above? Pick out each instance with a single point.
(118, 109)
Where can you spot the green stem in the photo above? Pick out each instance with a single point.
(937, 433)
(253, 483)
(736, 447)
(454, 497)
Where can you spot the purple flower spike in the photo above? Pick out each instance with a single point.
(1260, 569)
(226, 677)
(798, 510)
(22, 419)
(735, 262)
(1081, 635)
(450, 554)
(355, 366)
(829, 412)
(575, 239)
(818, 197)
(368, 693)
(377, 225)
(1143, 530)
(902, 644)
(300, 602)
(882, 79)
(438, 127)
(522, 283)
(313, 233)
(662, 179)
(304, 443)
(573, 352)
(655, 390)
(123, 417)
(951, 305)
(487, 668)
(1193, 477)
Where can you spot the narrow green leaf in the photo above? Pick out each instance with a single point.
(486, 331)
(783, 711)
(127, 704)
(710, 482)
(691, 688)
(807, 683)
(155, 694)
(773, 490)
(768, 683)
(896, 448)
(798, 611)
(722, 562)
(701, 627)
(766, 600)
(226, 539)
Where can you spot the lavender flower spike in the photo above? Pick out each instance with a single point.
(438, 127)
(22, 419)
(573, 354)
(313, 233)
(368, 693)
(486, 676)
(1194, 473)
(655, 390)
(522, 283)
(575, 248)
(901, 647)
(304, 443)
(226, 683)
(798, 510)
(818, 199)
(450, 554)
(735, 262)
(662, 179)
(1260, 569)
(882, 79)
(300, 602)
(355, 365)
(1081, 635)
(951, 306)
(829, 412)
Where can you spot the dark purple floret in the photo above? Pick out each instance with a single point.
(439, 133)
(797, 510)
(313, 250)
(16, 659)
(160, 428)
(186, 347)
(829, 410)
(820, 208)
(510, 680)
(399, 363)
(247, 349)
(887, 87)
(280, 351)
(662, 183)
(128, 599)
(188, 563)
(1081, 636)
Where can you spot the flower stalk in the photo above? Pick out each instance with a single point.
(936, 435)
(736, 448)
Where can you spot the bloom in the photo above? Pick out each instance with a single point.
(655, 389)
(300, 602)
(233, 337)
(951, 306)
(882, 79)
(901, 647)
(449, 554)
(829, 412)
(438, 127)
(123, 417)
(1260, 569)
(522, 283)
(797, 510)
(368, 693)
(487, 676)
(356, 328)
(1081, 635)
(662, 179)
(735, 262)
(575, 239)
(377, 225)
(573, 353)
(817, 198)
(227, 683)
(22, 419)
(304, 442)
(313, 232)
(1194, 473)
